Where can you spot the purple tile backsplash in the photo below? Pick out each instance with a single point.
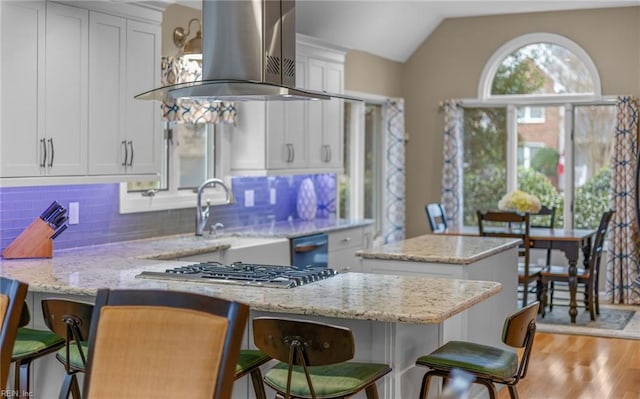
(101, 223)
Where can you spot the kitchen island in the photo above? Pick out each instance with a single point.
(457, 257)
(394, 318)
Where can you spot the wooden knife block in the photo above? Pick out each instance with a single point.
(33, 242)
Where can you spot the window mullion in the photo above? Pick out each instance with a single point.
(512, 148)
(568, 148)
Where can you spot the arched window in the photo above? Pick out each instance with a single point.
(541, 125)
(555, 66)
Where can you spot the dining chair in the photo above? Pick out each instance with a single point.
(437, 218)
(70, 320)
(31, 344)
(490, 365)
(12, 296)
(314, 360)
(510, 224)
(158, 344)
(588, 276)
(545, 218)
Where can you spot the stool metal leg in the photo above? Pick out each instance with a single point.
(258, 384)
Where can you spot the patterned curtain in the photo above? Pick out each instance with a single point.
(622, 265)
(452, 163)
(394, 170)
(181, 70)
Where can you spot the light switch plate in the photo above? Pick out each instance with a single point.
(74, 212)
(248, 198)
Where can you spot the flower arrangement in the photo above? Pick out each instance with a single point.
(520, 201)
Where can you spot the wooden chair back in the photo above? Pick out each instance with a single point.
(70, 320)
(597, 247)
(153, 343)
(303, 343)
(12, 296)
(507, 224)
(519, 331)
(437, 218)
(320, 344)
(545, 218)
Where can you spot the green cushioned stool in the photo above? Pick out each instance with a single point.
(249, 362)
(30, 345)
(488, 364)
(71, 320)
(314, 360)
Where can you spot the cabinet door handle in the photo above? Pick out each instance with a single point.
(131, 160)
(346, 239)
(44, 153)
(52, 153)
(126, 153)
(329, 154)
(291, 153)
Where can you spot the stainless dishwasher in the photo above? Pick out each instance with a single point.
(311, 250)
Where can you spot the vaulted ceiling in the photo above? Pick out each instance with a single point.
(394, 29)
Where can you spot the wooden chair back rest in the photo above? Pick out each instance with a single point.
(598, 243)
(70, 320)
(436, 217)
(148, 343)
(506, 224)
(320, 344)
(12, 297)
(519, 331)
(544, 218)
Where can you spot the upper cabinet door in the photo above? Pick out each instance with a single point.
(143, 130)
(66, 89)
(107, 94)
(21, 90)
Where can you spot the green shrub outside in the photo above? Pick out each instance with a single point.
(485, 188)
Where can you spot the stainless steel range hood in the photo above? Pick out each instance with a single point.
(249, 53)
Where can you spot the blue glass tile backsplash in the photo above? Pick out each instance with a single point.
(274, 198)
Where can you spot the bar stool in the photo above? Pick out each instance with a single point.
(249, 362)
(12, 295)
(314, 360)
(71, 320)
(30, 345)
(490, 365)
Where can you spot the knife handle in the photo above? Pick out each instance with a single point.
(60, 230)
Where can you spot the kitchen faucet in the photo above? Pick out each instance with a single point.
(202, 216)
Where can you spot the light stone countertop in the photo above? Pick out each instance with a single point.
(82, 271)
(441, 248)
(297, 228)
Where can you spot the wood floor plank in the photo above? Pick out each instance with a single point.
(581, 367)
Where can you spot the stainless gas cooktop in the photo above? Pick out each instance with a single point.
(244, 274)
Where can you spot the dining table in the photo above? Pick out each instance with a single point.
(570, 241)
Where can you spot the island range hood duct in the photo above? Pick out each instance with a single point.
(249, 49)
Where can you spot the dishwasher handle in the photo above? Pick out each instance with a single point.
(308, 247)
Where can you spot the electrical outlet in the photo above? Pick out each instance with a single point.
(272, 196)
(74, 212)
(248, 198)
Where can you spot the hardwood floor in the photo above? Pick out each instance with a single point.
(580, 367)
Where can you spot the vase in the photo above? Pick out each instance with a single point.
(307, 203)
(326, 194)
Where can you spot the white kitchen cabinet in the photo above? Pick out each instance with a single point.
(21, 125)
(44, 89)
(343, 245)
(124, 133)
(142, 128)
(67, 83)
(325, 118)
(107, 93)
(287, 137)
